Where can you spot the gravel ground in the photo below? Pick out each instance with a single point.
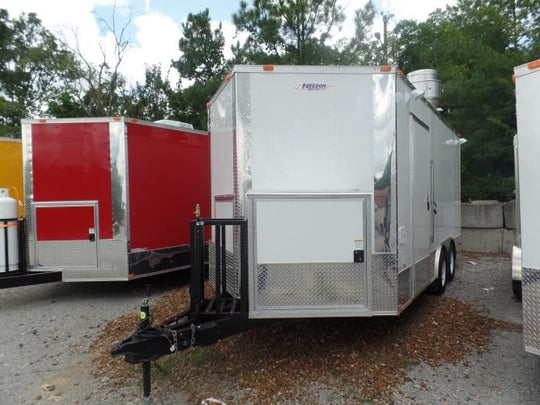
(505, 373)
(47, 331)
(46, 355)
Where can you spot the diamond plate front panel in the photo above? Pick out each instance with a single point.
(66, 253)
(385, 283)
(112, 261)
(424, 273)
(404, 288)
(531, 309)
(301, 285)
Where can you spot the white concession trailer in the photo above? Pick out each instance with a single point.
(350, 183)
(526, 263)
(335, 191)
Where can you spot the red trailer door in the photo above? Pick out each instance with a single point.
(71, 188)
(66, 233)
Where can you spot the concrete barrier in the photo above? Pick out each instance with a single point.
(482, 214)
(488, 226)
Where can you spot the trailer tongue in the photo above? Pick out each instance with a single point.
(209, 319)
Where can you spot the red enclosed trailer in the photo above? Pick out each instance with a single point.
(112, 198)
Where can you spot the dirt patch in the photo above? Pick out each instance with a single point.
(341, 360)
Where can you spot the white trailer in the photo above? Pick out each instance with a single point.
(335, 191)
(350, 183)
(526, 256)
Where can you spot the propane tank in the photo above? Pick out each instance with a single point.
(9, 246)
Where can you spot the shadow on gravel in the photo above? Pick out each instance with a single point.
(102, 290)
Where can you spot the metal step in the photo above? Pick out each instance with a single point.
(19, 279)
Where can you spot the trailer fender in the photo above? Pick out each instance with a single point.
(441, 270)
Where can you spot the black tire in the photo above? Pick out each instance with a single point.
(439, 285)
(516, 287)
(451, 264)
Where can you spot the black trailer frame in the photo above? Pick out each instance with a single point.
(21, 276)
(208, 319)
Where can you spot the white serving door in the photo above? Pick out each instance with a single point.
(422, 189)
(309, 255)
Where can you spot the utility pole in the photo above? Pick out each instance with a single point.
(386, 17)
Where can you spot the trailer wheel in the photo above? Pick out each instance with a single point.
(439, 285)
(451, 265)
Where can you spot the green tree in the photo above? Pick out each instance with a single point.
(288, 31)
(202, 64)
(363, 48)
(474, 47)
(150, 100)
(33, 66)
(202, 49)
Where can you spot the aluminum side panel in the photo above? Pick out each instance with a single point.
(404, 177)
(222, 123)
(528, 128)
(528, 134)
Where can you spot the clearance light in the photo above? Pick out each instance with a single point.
(228, 77)
(117, 118)
(42, 119)
(534, 65)
(386, 68)
(134, 120)
(268, 68)
(400, 73)
(514, 78)
(208, 105)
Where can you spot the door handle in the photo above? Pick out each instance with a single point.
(91, 235)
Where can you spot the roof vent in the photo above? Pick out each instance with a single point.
(426, 81)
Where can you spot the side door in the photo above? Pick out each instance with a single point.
(422, 189)
(66, 234)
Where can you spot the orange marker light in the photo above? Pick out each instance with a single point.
(386, 68)
(268, 68)
(534, 64)
(42, 120)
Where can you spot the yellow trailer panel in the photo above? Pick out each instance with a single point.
(11, 170)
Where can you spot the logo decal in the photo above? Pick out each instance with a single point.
(313, 86)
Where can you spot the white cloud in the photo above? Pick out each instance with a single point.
(156, 42)
(155, 35)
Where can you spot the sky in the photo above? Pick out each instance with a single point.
(156, 25)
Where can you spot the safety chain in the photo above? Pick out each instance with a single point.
(192, 334)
